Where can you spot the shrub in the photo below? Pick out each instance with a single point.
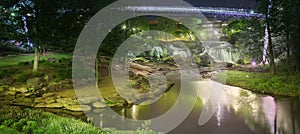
(7, 130)
(4, 73)
(64, 73)
(22, 77)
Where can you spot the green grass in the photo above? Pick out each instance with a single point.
(266, 83)
(13, 120)
(29, 121)
(14, 60)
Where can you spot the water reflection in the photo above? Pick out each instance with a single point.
(261, 113)
(239, 111)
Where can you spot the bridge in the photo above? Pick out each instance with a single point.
(220, 13)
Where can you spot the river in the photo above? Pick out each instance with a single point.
(239, 112)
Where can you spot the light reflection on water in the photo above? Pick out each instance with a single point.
(240, 111)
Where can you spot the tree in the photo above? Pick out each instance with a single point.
(248, 36)
(266, 6)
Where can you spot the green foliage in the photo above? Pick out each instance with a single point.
(4, 73)
(165, 53)
(280, 84)
(64, 73)
(38, 122)
(247, 35)
(197, 59)
(7, 130)
(26, 59)
(22, 77)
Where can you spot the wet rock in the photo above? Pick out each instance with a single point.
(115, 105)
(21, 90)
(48, 95)
(11, 89)
(12, 93)
(27, 94)
(54, 105)
(27, 100)
(77, 108)
(39, 100)
(40, 105)
(49, 100)
(99, 105)
(67, 101)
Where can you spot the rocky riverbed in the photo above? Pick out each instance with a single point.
(38, 93)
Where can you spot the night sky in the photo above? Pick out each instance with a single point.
(247, 4)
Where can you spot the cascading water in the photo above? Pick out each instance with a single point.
(223, 52)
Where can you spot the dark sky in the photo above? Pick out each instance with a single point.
(247, 4)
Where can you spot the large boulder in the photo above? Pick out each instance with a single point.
(49, 100)
(67, 101)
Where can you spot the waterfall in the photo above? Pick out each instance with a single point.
(222, 52)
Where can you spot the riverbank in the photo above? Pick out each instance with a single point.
(15, 120)
(264, 83)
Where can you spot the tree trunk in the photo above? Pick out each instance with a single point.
(288, 49)
(271, 53)
(270, 45)
(36, 59)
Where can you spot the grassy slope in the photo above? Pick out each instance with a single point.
(14, 60)
(14, 121)
(280, 84)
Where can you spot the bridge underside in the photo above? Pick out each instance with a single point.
(218, 13)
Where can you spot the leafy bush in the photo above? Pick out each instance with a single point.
(280, 84)
(4, 73)
(22, 77)
(38, 122)
(64, 73)
(7, 130)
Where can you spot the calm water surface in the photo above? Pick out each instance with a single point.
(240, 112)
